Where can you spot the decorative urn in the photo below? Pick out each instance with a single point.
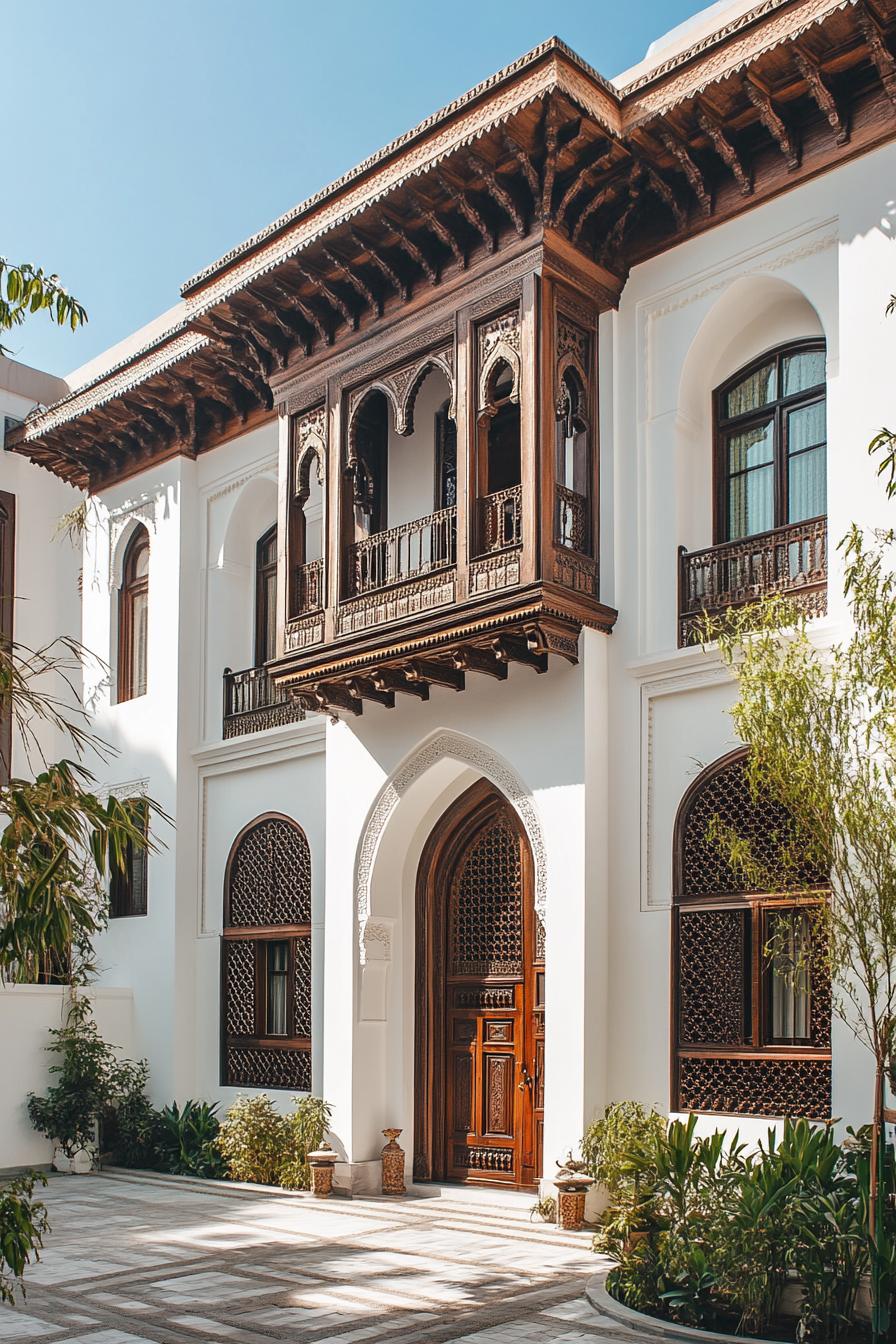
(393, 1164)
(572, 1184)
(322, 1162)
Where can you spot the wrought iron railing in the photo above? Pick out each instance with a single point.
(571, 519)
(791, 561)
(404, 552)
(309, 589)
(501, 519)
(253, 702)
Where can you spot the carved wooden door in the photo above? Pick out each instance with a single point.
(494, 1014)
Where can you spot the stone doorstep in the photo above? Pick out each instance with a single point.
(466, 1214)
(649, 1326)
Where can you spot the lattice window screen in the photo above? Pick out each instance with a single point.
(486, 916)
(725, 798)
(713, 976)
(270, 877)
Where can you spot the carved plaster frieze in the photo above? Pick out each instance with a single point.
(141, 511)
(453, 746)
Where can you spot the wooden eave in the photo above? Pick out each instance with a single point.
(788, 91)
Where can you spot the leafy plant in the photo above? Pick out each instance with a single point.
(611, 1142)
(544, 1210)
(26, 289)
(23, 1225)
(91, 1080)
(252, 1140)
(186, 1140)
(306, 1128)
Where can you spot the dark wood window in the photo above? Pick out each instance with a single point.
(133, 618)
(266, 958)
(266, 597)
(752, 1003)
(128, 885)
(446, 459)
(7, 607)
(573, 466)
(771, 442)
(503, 433)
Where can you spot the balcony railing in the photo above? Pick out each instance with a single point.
(252, 703)
(791, 561)
(571, 519)
(404, 552)
(501, 519)
(309, 587)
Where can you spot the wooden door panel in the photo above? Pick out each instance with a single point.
(498, 1088)
(461, 1092)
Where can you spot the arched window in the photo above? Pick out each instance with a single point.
(445, 458)
(266, 958)
(770, 433)
(752, 1004)
(500, 472)
(266, 597)
(133, 617)
(573, 465)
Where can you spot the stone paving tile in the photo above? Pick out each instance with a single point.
(158, 1263)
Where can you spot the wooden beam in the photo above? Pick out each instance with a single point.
(276, 349)
(356, 280)
(880, 53)
(772, 121)
(329, 294)
(585, 177)
(498, 191)
(660, 187)
(725, 150)
(600, 198)
(365, 689)
(824, 99)
(525, 163)
(401, 286)
(308, 315)
(393, 679)
(465, 207)
(551, 132)
(439, 674)
(515, 649)
(329, 693)
(686, 163)
(441, 231)
(410, 247)
(470, 658)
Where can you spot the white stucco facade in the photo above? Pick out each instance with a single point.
(594, 757)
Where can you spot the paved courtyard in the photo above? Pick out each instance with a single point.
(132, 1260)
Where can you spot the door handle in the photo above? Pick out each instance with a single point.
(527, 1080)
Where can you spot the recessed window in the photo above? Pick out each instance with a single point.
(128, 883)
(266, 597)
(133, 618)
(771, 441)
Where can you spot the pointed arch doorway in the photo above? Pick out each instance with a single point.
(479, 1042)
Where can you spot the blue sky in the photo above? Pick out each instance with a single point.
(146, 137)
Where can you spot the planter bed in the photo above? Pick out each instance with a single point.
(661, 1328)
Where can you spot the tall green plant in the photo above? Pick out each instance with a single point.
(23, 1225)
(306, 1127)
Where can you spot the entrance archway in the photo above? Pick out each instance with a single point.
(479, 1044)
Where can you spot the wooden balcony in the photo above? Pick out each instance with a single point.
(501, 520)
(310, 586)
(253, 702)
(406, 552)
(790, 561)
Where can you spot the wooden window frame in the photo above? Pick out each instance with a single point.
(122, 883)
(263, 571)
(131, 587)
(260, 936)
(775, 410)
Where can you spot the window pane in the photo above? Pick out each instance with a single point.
(789, 977)
(278, 963)
(141, 563)
(803, 371)
(139, 633)
(807, 486)
(753, 392)
(751, 503)
(751, 447)
(269, 618)
(806, 427)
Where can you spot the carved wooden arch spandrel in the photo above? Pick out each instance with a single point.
(310, 446)
(400, 388)
(499, 343)
(442, 360)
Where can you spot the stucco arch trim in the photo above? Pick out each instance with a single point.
(467, 751)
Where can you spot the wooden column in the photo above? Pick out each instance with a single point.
(465, 410)
(333, 547)
(530, 470)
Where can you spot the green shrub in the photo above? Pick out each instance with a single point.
(185, 1140)
(23, 1224)
(306, 1127)
(91, 1081)
(252, 1140)
(613, 1144)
